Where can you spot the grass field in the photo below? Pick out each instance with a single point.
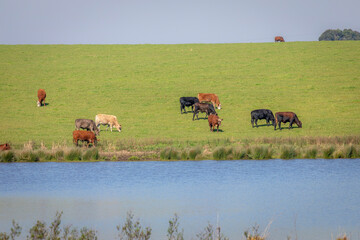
(141, 85)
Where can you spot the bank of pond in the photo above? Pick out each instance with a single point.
(219, 149)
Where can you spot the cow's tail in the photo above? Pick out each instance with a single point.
(276, 120)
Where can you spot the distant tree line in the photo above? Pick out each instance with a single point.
(338, 35)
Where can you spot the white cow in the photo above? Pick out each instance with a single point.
(109, 120)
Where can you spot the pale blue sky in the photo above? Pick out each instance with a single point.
(171, 21)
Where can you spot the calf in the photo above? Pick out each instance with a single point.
(109, 120)
(262, 114)
(4, 147)
(86, 136)
(286, 117)
(187, 102)
(214, 120)
(86, 124)
(41, 97)
(203, 107)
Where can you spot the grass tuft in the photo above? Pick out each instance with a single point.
(73, 155)
(328, 152)
(288, 152)
(8, 156)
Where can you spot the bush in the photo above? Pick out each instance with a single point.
(338, 35)
(59, 155)
(8, 156)
(73, 155)
(132, 230)
(194, 152)
(311, 153)
(29, 156)
(169, 153)
(288, 152)
(261, 152)
(240, 154)
(220, 153)
(134, 158)
(328, 152)
(350, 152)
(92, 154)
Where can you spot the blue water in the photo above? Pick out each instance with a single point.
(307, 199)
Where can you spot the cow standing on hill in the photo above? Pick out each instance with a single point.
(109, 120)
(214, 121)
(87, 124)
(284, 117)
(203, 107)
(210, 97)
(187, 102)
(262, 114)
(279, 39)
(41, 97)
(85, 136)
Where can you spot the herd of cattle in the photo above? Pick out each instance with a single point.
(204, 103)
(207, 102)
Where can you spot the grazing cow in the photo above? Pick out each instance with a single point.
(214, 120)
(210, 97)
(262, 114)
(286, 117)
(41, 97)
(279, 39)
(4, 147)
(86, 124)
(203, 107)
(86, 136)
(109, 120)
(187, 102)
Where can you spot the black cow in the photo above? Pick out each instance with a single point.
(203, 107)
(262, 114)
(87, 124)
(187, 102)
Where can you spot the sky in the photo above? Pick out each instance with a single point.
(171, 21)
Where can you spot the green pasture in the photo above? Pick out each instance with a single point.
(142, 84)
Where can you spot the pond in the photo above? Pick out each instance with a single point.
(307, 199)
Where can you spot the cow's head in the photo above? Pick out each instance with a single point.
(299, 124)
(38, 103)
(118, 127)
(219, 106)
(219, 121)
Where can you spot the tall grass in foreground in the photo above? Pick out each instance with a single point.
(130, 229)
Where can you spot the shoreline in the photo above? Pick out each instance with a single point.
(218, 149)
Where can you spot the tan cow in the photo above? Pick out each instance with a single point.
(109, 120)
(210, 97)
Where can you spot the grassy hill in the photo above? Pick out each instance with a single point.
(141, 85)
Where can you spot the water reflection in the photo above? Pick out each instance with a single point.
(322, 196)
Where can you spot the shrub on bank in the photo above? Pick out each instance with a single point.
(8, 156)
(73, 155)
(91, 154)
(169, 153)
(288, 152)
(29, 156)
(328, 152)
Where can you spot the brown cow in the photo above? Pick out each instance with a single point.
(210, 97)
(214, 120)
(286, 117)
(279, 39)
(4, 147)
(86, 136)
(41, 97)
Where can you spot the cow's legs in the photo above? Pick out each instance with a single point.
(267, 121)
(252, 122)
(280, 125)
(111, 127)
(256, 122)
(291, 123)
(217, 130)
